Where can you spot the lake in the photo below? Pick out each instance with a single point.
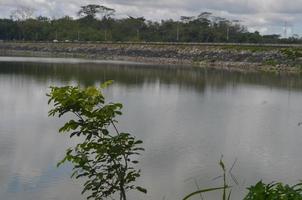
(187, 117)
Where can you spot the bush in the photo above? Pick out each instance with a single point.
(274, 191)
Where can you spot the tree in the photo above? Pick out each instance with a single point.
(89, 11)
(106, 14)
(105, 157)
(187, 19)
(92, 10)
(136, 24)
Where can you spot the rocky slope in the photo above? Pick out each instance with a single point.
(227, 57)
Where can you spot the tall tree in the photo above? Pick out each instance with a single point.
(89, 10)
(137, 24)
(92, 10)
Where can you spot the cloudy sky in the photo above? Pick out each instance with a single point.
(266, 16)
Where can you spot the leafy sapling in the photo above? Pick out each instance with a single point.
(105, 157)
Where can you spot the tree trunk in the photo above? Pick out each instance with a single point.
(123, 193)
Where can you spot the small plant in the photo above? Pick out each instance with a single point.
(274, 191)
(225, 194)
(105, 157)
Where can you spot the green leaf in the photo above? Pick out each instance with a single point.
(204, 191)
(229, 196)
(106, 84)
(143, 190)
(221, 163)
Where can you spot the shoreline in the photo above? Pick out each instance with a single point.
(236, 58)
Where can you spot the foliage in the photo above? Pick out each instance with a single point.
(105, 157)
(292, 53)
(274, 191)
(92, 10)
(260, 191)
(96, 23)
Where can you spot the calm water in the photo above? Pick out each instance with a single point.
(186, 116)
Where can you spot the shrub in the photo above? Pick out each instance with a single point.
(274, 191)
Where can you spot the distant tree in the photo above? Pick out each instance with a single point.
(137, 24)
(92, 10)
(204, 16)
(296, 36)
(97, 23)
(8, 29)
(89, 11)
(187, 19)
(272, 37)
(106, 12)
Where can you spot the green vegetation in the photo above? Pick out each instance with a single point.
(292, 53)
(105, 157)
(97, 23)
(274, 191)
(271, 62)
(260, 191)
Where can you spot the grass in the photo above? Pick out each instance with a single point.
(226, 189)
(259, 191)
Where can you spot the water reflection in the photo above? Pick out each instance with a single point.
(187, 117)
(130, 74)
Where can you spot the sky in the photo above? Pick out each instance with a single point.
(265, 16)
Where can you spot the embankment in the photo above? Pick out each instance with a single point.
(229, 57)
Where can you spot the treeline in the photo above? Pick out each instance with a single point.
(97, 23)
